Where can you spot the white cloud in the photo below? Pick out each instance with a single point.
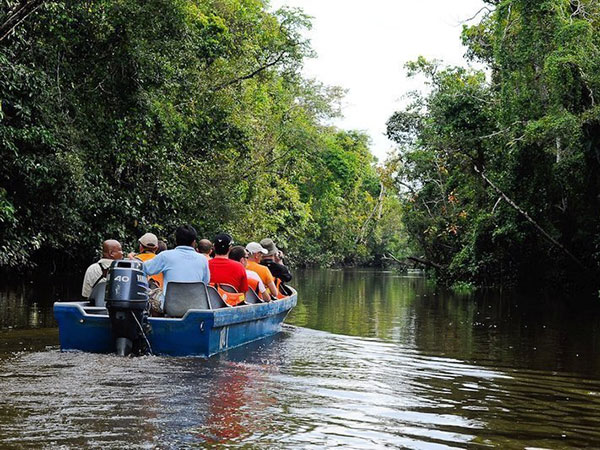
(363, 46)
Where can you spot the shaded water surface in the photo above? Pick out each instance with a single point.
(368, 360)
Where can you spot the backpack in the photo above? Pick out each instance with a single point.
(102, 276)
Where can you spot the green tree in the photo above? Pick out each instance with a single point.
(117, 118)
(517, 152)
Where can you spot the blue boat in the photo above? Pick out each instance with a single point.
(208, 327)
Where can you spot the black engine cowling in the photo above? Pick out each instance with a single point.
(127, 301)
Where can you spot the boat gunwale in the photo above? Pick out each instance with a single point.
(219, 316)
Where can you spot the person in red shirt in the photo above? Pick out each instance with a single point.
(225, 270)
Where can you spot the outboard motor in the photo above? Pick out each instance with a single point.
(126, 301)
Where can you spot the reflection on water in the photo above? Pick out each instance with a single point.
(493, 330)
(371, 360)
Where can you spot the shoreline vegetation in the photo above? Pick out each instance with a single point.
(118, 118)
(500, 166)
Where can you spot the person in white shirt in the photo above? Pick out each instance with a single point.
(111, 250)
(239, 254)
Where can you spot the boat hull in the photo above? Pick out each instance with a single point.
(197, 333)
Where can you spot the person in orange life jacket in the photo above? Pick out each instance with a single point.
(148, 248)
(256, 252)
(274, 261)
(205, 247)
(225, 270)
(111, 250)
(239, 253)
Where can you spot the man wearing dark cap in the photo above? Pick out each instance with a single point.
(182, 263)
(225, 270)
(274, 262)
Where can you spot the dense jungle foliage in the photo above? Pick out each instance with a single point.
(121, 117)
(499, 168)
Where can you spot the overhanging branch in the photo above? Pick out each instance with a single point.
(17, 16)
(524, 213)
(253, 73)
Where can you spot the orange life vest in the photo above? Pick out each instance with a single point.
(158, 278)
(277, 284)
(231, 298)
(253, 284)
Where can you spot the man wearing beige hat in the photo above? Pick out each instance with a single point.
(273, 261)
(148, 247)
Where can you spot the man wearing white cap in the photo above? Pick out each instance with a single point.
(256, 252)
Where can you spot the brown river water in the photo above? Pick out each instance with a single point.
(367, 360)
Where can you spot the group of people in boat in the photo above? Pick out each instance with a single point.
(258, 266)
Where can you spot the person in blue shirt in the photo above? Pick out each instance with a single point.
(182, 263)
